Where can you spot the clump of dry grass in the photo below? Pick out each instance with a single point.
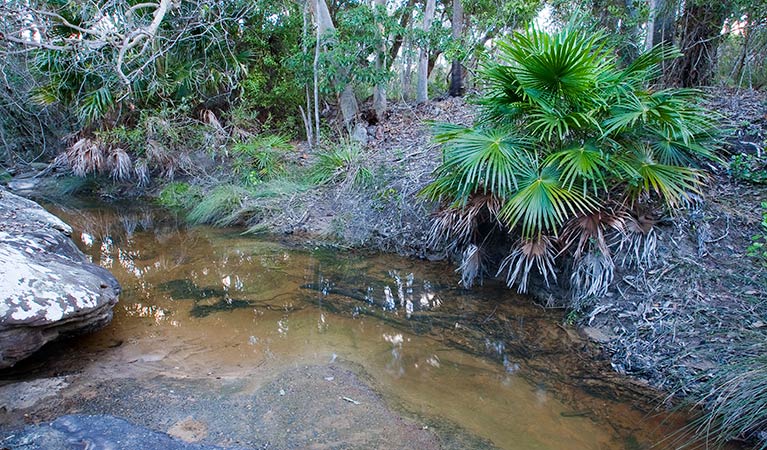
(735, 401)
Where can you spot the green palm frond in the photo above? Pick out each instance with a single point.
(584, 165)
(542, 204)
(647, 66)
(673, 184)
(669, 148)
(565, 63)
(96, 104)
(551, 123)
(480, 161)
(445, 132)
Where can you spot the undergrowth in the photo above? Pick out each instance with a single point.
(758, 247)
(217, 206)
(748, 167)
(735, 399)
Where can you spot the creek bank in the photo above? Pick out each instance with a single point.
(324, 406)
(48, 289)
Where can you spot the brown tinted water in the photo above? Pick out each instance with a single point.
(200, 301)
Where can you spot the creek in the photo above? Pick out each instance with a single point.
(478, 368)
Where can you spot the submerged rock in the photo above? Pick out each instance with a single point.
(48, 289)
(96, 432)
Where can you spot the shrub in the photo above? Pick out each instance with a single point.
(178, 195)
(747, 167)
(572, 155)
(758, 247)
(261, 158)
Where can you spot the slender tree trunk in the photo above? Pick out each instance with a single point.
(316, 71)
(738, 70)
(456, 68)
(347, 100)
(422, 90)
(407, 70)
(379, 91)
(404, 20)
(307, 116)
(633, 31)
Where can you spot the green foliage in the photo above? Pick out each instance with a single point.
(567, 133)
(748, 167)
(273, 87)
(218, 206)
(178, 195)
(758, 247)
(345, 164)
(260, 159)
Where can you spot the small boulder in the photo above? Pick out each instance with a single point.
(48, 289)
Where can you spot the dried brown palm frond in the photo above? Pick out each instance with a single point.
(209, 117)
(119, 164)
(457, 227)
(590, 277)
(471, 265)
(86, 156)
(639, 242)
(589, 232)
(159, 157)
(526, 252)
(141, 169)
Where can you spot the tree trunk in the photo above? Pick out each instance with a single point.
(347, 100)
(422, 90)
(379, 91)
(456, 69)
(737, 75)
(407, 70)
(660, 27)
(404, 19)
(701, 27)
(307, 116)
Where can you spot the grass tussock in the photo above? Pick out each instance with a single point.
(735, 402)
(345, 164)
(217, 206)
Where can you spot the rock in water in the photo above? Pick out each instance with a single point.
(98, 433)
(48, 289)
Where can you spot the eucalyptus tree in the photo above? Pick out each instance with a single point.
(422, 93)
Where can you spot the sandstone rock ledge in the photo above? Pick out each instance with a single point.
(48, 289)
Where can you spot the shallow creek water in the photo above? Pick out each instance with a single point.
(209, 302)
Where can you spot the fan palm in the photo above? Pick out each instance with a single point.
(568, 140)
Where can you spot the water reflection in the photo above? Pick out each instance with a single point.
(454, 356)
